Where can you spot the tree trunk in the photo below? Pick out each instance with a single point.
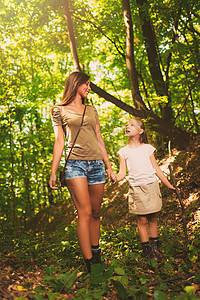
(25, 173)
(72, 40)
(150, 43)
(12, 172)
(160, 85)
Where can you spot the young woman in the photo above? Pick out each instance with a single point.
(144, 192)
(84, 173)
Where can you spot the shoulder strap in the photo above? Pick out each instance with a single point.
(76, 136)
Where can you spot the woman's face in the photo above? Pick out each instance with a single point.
(84, 89)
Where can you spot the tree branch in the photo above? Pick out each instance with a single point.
(136, 112)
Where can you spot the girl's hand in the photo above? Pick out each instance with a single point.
(52, 182)
(114, 177)
(174, 190)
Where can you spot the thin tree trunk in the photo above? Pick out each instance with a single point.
(193, 114)
(12, 172)
(26, 193)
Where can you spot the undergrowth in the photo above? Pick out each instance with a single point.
(125, 274)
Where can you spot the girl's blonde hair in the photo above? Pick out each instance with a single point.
(143, 137)
(74, 80)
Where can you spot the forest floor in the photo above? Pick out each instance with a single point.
(42, 260)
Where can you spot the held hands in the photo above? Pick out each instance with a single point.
(114, 177)
(52, 182)
(111, 175)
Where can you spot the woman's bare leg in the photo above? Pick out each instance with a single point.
(96, 192)
(78, 188)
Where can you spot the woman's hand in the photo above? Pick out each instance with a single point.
(52, 182)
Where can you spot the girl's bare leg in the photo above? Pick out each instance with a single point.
(153, 226)
(142, 222)
(96, 192)
(78, 188)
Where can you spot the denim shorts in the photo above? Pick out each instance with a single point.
(93, 170)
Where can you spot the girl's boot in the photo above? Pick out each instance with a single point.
(155, 245)
(147, 250)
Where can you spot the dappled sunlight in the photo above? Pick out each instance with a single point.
(193, 197)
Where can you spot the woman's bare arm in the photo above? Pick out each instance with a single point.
(111, 174)
(122, 169)
(57, 154)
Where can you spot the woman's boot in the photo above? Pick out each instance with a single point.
(96, 256)
(88, 263)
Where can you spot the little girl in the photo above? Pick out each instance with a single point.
(144, 193)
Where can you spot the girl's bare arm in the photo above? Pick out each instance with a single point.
(160, 174)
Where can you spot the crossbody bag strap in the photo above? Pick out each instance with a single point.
(75, 137)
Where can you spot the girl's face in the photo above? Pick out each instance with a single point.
(133, 129)
(84, 89)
